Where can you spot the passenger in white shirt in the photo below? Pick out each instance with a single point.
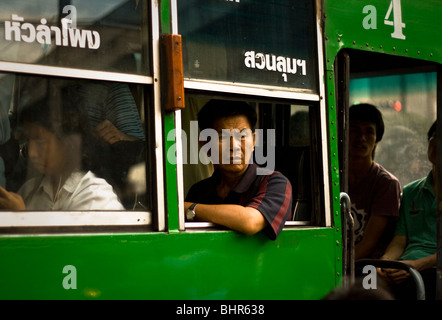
(58, 137)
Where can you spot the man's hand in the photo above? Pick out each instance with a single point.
(106, 131)
(11, 200)
(393, 275)
(397, 275)
(247, 220)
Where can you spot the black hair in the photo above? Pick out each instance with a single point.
(61, 112)
(432, 130)
(216, 109)
(368, 112)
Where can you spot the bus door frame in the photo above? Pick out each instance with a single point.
(439, 185)
(342, 78)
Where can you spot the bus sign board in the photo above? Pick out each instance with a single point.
(94, 35)
(260, 42)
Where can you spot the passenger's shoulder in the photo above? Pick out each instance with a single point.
(416, 184)
(384, 175)
(275, 177)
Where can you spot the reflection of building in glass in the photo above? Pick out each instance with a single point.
(236, 42)
(105, 39)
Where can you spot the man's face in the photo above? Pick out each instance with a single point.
(235, 144)
(44, 149)
(362, 139)
(432, 148)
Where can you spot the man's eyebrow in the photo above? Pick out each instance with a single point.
(233, 130)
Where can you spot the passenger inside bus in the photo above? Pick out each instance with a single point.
(116, 124)
(374, 192)
(61, 151)
(415, 240)
(298, 170)
(9, 148)
(356, 291)
(238, 195)
(115, 121)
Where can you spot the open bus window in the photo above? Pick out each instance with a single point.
(74, 146)
(285, 135)
(408, 106)
(405, 92)
(297, 154)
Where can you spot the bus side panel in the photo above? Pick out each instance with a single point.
(300, 264)
(410, 28)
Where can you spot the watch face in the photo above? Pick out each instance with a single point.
(190, 214)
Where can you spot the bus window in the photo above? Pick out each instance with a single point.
(75, 129)
(258, 42)
(94, 35)
(407, 100)
(296, 154)
(285, 136)
(74, 145)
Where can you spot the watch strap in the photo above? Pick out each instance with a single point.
(192, 206)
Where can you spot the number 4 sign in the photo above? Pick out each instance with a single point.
(370, 20)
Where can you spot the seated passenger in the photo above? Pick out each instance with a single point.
(115, 121)
(9, 149)
(238, 195)
(415, 240)
(374, 192)
(58, 148)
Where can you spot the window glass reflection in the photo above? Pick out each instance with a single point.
(72, 144)
(250, 41)
(97, 35)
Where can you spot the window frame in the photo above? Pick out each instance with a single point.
(53, 221)
(318, 148)
(264, 90)
(255, 92)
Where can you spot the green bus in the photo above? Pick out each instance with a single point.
(299, 63)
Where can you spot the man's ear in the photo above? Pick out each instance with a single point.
(202, 144)
(254, 140)
(373, 153)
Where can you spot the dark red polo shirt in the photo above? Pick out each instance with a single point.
(269, 194)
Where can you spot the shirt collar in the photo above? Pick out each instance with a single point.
(69, 185)
(46, 185)
(246, 180)
(428, 181)
(244, 183)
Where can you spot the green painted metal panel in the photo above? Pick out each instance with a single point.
(334, 170)
(187, 265)
(362, 25)
(171, 175)
(165, 16)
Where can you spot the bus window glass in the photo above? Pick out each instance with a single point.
(250, 41)
(283, 135)
(70, 144)
(408, 106)
(299, 126)
(96, 35)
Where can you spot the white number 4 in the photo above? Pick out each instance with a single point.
(395, 6)
(370, 21)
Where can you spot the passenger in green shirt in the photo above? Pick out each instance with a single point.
(415, 240)
(418, 219)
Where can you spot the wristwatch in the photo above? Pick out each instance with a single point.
(190, 213)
